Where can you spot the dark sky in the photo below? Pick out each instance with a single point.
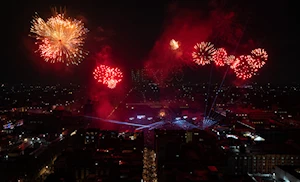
(132, 28)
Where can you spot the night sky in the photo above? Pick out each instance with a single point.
(131, 29)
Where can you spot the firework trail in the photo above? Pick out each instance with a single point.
(108, 76)
(204, 53)
(60, 39)
(115, 108)
(225, 74)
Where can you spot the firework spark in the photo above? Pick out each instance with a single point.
(108, 76)
(220, 57)
(259, 57)
(230, 59)
(203, 53)
(242, 67)
(174, 44)
(60, 39)
(112, 83)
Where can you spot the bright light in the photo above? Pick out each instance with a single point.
(108, 76)
(140, 116)
(162, 113)
(258, 139)
(73, 133)
(174, 44)
(203, 53)
(231, 136)
(60, 39)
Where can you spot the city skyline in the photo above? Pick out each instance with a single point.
(149, 91)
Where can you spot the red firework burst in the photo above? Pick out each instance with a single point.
(108, 76)
(203, 53)
(242, 67)
(259, 57)
(220, 57)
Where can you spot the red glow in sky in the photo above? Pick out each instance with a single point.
(186, 29)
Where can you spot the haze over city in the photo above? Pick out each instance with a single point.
(152, 91)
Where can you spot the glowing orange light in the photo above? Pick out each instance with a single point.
(174, 44)
(60, 39)
(162, 113)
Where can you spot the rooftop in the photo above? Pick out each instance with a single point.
(293, 170)
(267, 148)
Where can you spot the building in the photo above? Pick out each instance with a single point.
(262, 158)
(105, 156)
(91, 137)
(184, 154)
(287, 173)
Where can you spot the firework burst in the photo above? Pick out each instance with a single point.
(242, 67)
(259, 57)
(230, 59)
(108, 76)
(220, 57)
(174, 45)
(204, 53)
(60, 39)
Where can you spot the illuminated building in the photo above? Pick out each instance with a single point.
(149, 166)
(262, 158)
(92, 137)
(112, 156)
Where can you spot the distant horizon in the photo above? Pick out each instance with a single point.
(182, 83)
